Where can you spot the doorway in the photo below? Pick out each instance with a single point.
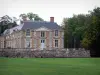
(42, 44)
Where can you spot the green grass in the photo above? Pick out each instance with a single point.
(49, 66)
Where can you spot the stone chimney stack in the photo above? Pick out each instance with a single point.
(51, 19)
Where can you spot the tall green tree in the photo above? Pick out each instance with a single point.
(92, 34)
(31, 16)
(7, 22)
(74, 30)
(83, 30)
(65, 28)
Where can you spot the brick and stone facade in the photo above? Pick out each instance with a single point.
(2, 41)
(18, 39)
(36, 35)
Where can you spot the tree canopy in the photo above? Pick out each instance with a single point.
(83, 30)
(7, 22)
(31, 16)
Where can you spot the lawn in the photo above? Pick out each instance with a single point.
(49, 66)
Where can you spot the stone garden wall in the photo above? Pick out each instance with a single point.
(55, 53)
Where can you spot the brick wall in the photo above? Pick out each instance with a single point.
(19, 40)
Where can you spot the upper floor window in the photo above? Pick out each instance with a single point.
(42, 34)
(56, 32)
(28, 32)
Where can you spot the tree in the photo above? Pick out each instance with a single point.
(93, 33)
(65, 28)
(23, 16)
(37, 18)
(7, 22)
(74, 30)
(31, 16)
(83, 31)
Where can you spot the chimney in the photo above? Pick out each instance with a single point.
(51, 19)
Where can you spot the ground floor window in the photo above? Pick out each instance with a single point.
(27, 42)
(56, 43)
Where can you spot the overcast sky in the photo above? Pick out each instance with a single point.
(47, 8)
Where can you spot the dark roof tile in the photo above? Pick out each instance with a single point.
(38, 24)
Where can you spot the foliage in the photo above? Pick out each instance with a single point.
(83, 31)
(31, 16)
(7, 22)
(85, 42)
(75, 28)
(93, 32)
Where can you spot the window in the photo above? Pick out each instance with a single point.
(28, 32)
(56, 43)
(28, 42)
(42, 41)
(56, 32)
(42, 34)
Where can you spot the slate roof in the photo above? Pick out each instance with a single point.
(38, 24)
(33, 25)
(9, 31)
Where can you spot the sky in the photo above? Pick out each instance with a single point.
(58, 9)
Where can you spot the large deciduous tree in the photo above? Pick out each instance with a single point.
(83, 31)
(31, 16)
(92, 34)
(7, 22)
(74, 30)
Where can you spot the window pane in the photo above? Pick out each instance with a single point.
(41, 41)
(28, 32)
(42, 34)
(56, 43)
(27, 41)
(56, 32)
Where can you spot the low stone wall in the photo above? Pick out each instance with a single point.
(56, 53)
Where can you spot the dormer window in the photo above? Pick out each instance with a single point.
(56, 32)
(28, 32)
